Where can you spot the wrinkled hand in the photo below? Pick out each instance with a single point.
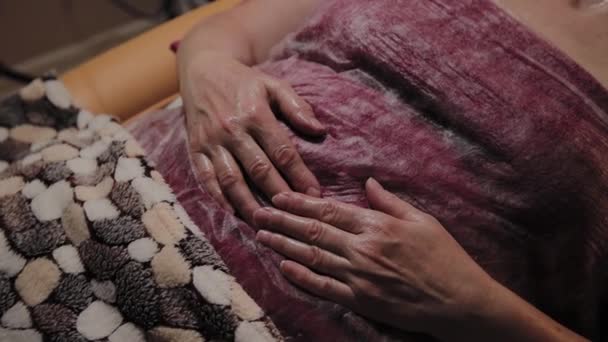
(230, 124)
(394, 264)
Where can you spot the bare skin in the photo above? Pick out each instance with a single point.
(369, 254)
(397, 265)
(577, 27)
(227, 102)
(228, 105)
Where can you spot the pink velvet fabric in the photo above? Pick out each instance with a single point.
(457, 108)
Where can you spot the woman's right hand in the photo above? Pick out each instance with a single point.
(230, 123)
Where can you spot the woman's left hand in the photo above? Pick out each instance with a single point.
(394, 264)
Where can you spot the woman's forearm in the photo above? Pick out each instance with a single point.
(233, 130)
(504, 316)
(246, 32)
(221, 33)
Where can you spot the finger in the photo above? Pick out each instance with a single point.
(340, 215)
(309, 231)
(322, 286)
(206, 174)
(233, 184)
(295, 110)
(258, 167)
(310, 256)
(275, 141)
(386, 202)
(196, 131)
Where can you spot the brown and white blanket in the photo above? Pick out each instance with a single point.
(94, 245)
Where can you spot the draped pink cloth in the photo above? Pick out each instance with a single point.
(457, 108)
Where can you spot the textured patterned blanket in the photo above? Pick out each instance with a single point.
(94, 246)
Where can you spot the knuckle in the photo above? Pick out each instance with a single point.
(306, 106)
(350, 248)
(325, 285)
(285, 156)
(302, 105)
(284, 243)
(206, 175)
(196, 141)
(208, 149)
(278, 242)
(364, 249)
(216, 194)
(434, 229)
(364, 289)
(315, 231)
(315, 258)
(383, 223)
(278, 220)
(231, 125)
(259, 169)
(374, 292)
(286, 86)
(254, 113)
(195, 144)
(304, 279)
(423, 218)
(329, 211)
(359, 287)
(290, 204)
(272, 82)
(248, 212)
(258, 85)
(430, 220)
(199, 144)
(374, 222)
(227, 179)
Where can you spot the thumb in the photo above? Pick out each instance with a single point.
(295, 110)
(386, 202)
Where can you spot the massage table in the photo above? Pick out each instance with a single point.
(137, 76)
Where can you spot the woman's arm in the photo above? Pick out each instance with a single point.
(507, 317)
(397, 265)
(248, 31)
(228, 105)
(137, 74)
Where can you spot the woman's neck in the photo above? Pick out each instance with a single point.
(577, 27)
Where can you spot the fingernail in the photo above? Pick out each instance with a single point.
(282, 265)
(229, 208)
(374, 182)
(314, 192)
(262, 216)
(280, 198)
(262, 236)
(317, 124)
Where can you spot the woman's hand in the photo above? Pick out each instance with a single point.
(231, 125)
(394, 264)
(397, 265)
